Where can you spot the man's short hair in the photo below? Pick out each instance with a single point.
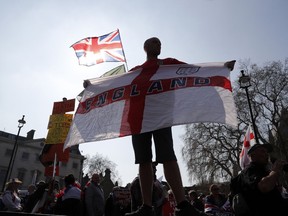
(69, 179)
(148, 41)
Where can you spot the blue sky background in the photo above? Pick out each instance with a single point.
(38, 67)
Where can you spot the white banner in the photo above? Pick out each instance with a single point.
(152, 98)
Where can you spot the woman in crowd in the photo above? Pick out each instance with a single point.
(10, 197)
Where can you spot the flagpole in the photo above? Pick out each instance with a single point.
(34, 178)
(54, 166)
(123, 51)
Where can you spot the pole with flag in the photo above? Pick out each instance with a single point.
(249, 140)
(54, 165)
(127, 69)
(34, 178)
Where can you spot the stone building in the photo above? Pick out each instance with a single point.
(27, 162)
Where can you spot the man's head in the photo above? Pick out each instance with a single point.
(31, 188)
(69, 179)
(14, 183)
(268, 147)
(260, 153)
(152, 47)
(95, 178)
(192, 194)
(214, 189)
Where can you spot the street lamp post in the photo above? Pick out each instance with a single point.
(14, 152)
(245, 83)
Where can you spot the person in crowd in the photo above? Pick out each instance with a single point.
(215, 201)
(118, 202)
(258, 183)
(70, 201)
(51, 196)
(33, 202)
(158, 195)
(136, 196)
(163, 144)
(83, 197)
(202, 197)
(169, 205)
(195, 201)
(94, 197)
(227, 207)
(30, 190)
(10, 197)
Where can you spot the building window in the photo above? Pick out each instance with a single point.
(8, 152)
(37, 157)
(75, 165)
(34, 176)
(63, 164)
(21, 174)
(25, 155)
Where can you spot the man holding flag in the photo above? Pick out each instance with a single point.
(162, 139)
(259, 181)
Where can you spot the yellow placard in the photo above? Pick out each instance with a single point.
(59, 125)
(57, 135)
(60, 121)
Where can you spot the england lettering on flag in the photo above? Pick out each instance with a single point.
(153, 98)
(249, 140)
(95, 50)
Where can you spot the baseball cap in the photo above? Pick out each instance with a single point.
(269, 147)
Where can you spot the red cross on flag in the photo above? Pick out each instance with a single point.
(249, 140)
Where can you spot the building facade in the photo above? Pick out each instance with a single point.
(27, 166)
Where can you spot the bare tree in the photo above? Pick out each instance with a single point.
(211, 151)
(98, 164)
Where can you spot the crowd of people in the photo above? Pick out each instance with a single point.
(89, 200)
(259, 185)
(72, 199)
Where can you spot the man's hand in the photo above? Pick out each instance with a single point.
(230, 64)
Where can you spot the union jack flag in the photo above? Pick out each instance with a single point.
(95, 50)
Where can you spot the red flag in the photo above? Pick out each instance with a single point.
(244, 159)
(95, 50)
(52, 170)
(48, 153)
(49, 170)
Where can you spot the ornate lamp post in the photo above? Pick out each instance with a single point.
(244, 81)
(14, 152)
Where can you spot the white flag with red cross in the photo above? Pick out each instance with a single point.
(249, 140)
(152, 98)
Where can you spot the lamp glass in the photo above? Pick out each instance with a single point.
(244, 81)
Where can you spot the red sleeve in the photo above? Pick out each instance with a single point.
(134, 68)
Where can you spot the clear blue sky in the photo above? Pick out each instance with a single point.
(38, 67)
